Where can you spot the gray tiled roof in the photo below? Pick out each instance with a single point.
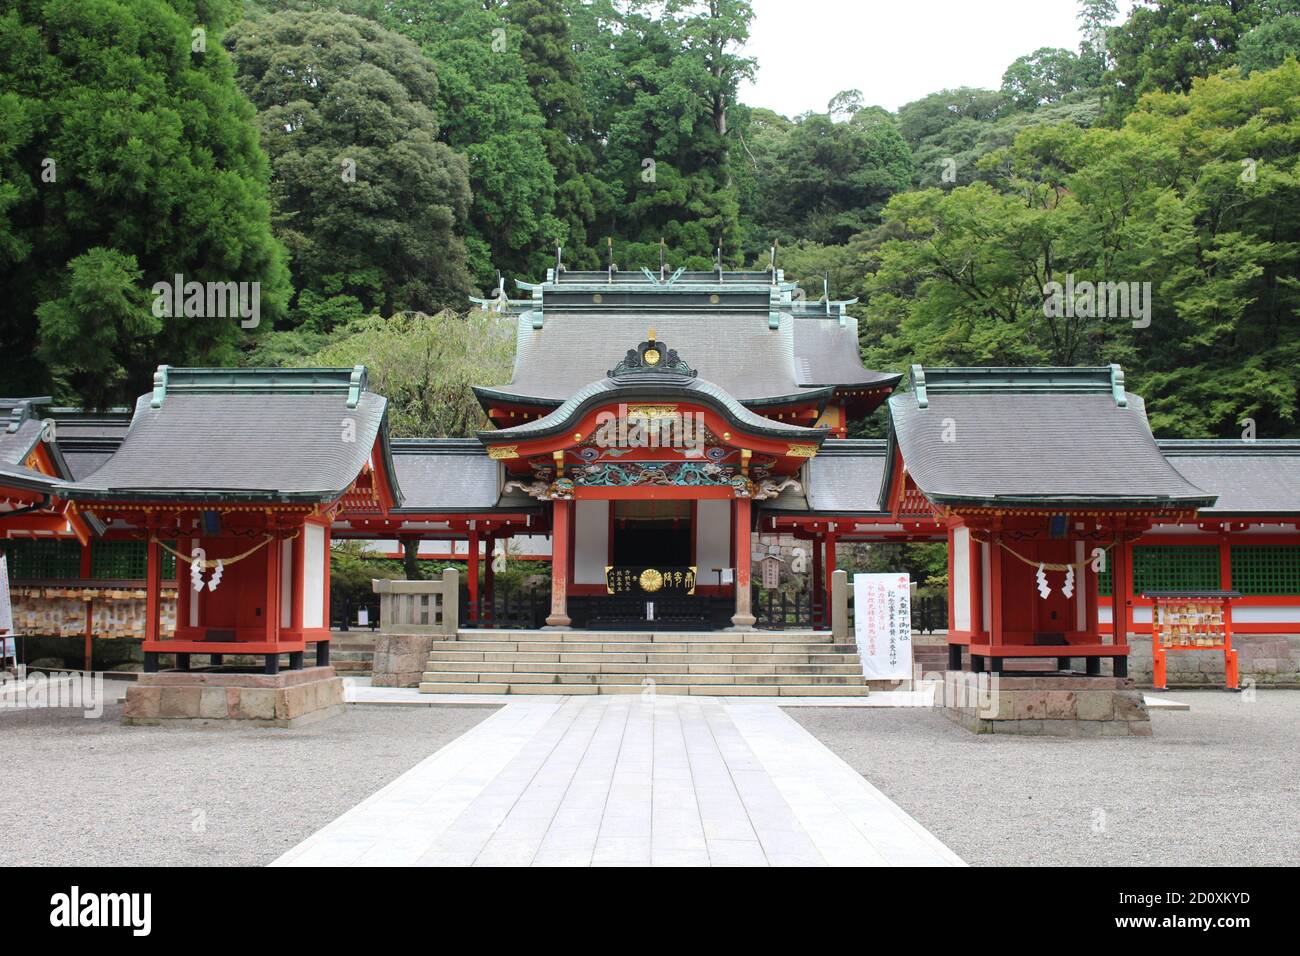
(737, 350)
(87, 440)
(22, 428)
(1261, 477)
(451, 475)
(844, 478)
(16, 445)
(24, 479)
(274, 435)
(1037, 437)
(827, 353)
(84, 462)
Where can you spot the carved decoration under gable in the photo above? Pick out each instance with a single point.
(759, 485)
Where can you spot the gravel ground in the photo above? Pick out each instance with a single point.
(80, 792)
(1216, 785)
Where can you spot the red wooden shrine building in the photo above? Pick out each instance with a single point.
(653, 426)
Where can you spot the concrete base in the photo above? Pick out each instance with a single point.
(1051, 705)
(234, 698)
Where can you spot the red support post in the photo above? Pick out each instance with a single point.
(90, 611)
(489, 576)
(826, 578)
(153, 590)
(271, 599)
(472, 574)
(325, 600)
(997, 637)
(818, 598)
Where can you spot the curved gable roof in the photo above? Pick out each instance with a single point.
(250, 434)
(661, 387)
(1036, 437)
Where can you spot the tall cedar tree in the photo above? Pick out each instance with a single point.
(127, 156)
(375, 206)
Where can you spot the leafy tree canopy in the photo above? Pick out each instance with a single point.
(425, 365)
(1194, 200)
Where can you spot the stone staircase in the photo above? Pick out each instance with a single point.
(713, 663)
(351, 652)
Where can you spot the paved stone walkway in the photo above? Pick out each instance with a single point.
(592, 781)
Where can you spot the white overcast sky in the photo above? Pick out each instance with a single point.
(894, 51)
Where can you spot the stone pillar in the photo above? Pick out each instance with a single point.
(561, 532)
(450, 601)
(743, 619)
(840, 607)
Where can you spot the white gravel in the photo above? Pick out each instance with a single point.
(78, 792)
(1216, 785)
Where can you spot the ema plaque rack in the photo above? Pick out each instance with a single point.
(1191, 621)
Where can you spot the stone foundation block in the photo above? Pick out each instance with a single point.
(232, 698)
(1050, 705)
(401, 659)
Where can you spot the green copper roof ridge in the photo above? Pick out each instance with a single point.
(312, 380)
(1012, 380)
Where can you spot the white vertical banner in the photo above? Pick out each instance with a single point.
(6, 612)
(882, 625)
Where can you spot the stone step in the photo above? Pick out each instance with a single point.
(352, 668)
(701, 690)
(513, 677)
(644, 647)
(624, 667)
(614, 657)
(639, 637)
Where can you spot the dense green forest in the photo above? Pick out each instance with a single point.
(371, 163)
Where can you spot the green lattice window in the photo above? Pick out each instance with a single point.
(1266, 569)
(60, 560)
(125, 561)
(1170, 567)
(41, 560)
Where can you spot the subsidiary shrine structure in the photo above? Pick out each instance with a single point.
(654, 427)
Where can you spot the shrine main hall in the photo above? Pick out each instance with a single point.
(656, 429)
